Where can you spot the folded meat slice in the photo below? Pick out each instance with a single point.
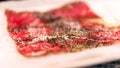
(70, 11)
(59, 30)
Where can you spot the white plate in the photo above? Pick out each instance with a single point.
(10, 58)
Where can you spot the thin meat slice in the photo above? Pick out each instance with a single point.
(23, 28)
(106, 36)
(58, 30)
(17, 20)
(37, 49)
(72, 11)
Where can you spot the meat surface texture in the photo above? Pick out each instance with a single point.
(59, 30)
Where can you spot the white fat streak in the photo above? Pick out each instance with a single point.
(43, 38)
(73, 25)
(40, 38)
